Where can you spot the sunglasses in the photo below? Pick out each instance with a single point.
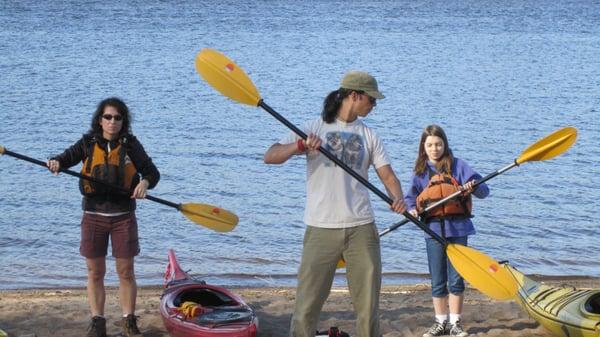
(109, 117)
(372, 100)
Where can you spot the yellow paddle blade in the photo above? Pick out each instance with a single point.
(341, 264)
(550, 146)
(209, 216)
(225, 76)
(482, 272)
(1, 150)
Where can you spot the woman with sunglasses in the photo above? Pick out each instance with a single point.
(109, 152)
(338, 214)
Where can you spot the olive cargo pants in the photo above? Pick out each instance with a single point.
(322, 250)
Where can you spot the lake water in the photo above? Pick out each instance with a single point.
(497, 76)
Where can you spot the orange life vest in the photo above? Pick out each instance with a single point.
(114, 167)
(440, 186)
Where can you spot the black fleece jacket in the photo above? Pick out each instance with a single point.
(110, 202)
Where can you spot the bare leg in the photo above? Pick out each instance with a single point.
(456, 304)
(440, 305)
(95, 287)
(127, 285)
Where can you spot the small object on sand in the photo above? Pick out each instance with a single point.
(333, 331)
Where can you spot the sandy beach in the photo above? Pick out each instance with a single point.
(405, 311)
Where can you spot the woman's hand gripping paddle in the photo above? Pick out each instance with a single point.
(483, 272)
(212, 217)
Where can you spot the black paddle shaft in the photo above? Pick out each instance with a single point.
(450, 197)
(79, 175)
(350, 171)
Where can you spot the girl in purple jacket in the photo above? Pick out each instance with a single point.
(435, 157)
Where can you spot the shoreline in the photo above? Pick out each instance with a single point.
(289, 281)
(405, 311)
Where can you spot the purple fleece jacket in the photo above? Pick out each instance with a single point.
(463, 173)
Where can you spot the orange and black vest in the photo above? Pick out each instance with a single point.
(440, 186)
(114, 167)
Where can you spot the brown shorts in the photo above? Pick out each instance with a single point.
(95, 230)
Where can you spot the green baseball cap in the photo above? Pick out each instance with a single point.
(361, 81)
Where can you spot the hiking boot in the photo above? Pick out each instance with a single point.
(97, 327)
(456, 330)
(129, 325)
(437, 329)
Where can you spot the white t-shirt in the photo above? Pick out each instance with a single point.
(334, 198)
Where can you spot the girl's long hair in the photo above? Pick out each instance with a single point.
(122, 109)
(332, 104)
(444, 165)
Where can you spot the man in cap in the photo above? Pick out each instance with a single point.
(338, 214)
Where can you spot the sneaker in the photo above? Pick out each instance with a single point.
(456, 330)
(129, 325)
(97, 327)
(437, 329)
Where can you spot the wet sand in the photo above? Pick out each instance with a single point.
(405, 311)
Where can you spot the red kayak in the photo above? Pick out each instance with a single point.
(192, 308)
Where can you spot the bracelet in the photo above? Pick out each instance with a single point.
(300, 145)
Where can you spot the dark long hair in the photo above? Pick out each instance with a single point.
(332, 104)
(122, 109)
(445, 162)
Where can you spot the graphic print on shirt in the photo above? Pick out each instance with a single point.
(347, 147)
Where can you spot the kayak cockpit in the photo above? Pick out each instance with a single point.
(216, 308)
(592, 305)
(204, 297)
